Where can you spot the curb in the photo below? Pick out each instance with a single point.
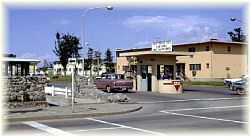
(70, 116)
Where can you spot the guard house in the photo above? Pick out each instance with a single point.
(152, 70)
(13, 66)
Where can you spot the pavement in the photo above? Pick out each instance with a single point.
(83, 108)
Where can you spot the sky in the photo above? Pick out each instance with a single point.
(31, 31)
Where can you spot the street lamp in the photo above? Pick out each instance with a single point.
(95, 8)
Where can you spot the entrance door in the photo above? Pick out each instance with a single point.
(146, 73)
(144, 78)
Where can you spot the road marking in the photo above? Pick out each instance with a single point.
(203, 117)
(48, 129)
(187, 100)
(224, 107)
(96, 129)
(124, 126)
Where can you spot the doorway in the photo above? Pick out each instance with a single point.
(146, 74)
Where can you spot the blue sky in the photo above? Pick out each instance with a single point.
(31, 31)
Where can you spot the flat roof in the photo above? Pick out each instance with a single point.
(126, 54)
(9, 59)
(181, 44)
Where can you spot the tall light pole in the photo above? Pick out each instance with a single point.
(85, 12)
(235, 19)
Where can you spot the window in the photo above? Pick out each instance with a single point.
(228, 48)
(192, 49)
(207, 48)
(194, 67)
(207, 65)
(125, 68)
(165, 72)
(69, 69)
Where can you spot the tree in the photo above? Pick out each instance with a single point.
(90, 60)
(97, 62)
(66, 46)
(45, 66)
(238, 36)
(109, 61)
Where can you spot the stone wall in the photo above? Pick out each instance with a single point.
(17, 88)
(85, 88)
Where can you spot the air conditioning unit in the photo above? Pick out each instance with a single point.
(193, 73)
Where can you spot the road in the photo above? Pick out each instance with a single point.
(198, 111)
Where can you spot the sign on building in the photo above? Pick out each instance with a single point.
(162, 46)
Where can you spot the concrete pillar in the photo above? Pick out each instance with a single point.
(155, 84)
(138, 75)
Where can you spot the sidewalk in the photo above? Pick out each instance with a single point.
(82, 109)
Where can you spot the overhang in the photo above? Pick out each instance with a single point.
(9, 59)
(143, 53)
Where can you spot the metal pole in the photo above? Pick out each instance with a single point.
(98, 65)
(72, 89)
(108, 8)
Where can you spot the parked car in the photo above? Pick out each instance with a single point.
(112, 81)
(229, 81)
(239, 86)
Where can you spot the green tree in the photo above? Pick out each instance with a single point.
(109, 61)
(45, 66)
(90, 60)
(237, 36)
(97, 63)
(66, 46)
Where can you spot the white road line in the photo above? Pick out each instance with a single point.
(124, 126)
(202, 117)
(95, 129)
(48, 129)
(224, 107)
(209, 99)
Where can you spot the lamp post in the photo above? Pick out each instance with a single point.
(85, 12)
(235, 19)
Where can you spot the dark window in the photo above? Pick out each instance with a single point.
(125, 68)
(207, 48)
(194, 67)
(207, 65)
(192, 49)
(228, 48)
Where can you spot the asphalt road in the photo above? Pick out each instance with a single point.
(198, 111)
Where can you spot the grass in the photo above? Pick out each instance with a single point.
(208, 83)
(60, 78)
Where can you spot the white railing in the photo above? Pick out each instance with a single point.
(56, 90)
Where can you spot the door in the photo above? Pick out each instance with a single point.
(144, 78)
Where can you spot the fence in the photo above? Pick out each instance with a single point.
(56, 90)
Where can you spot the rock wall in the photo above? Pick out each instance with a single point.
(85, 88)
(17, 88)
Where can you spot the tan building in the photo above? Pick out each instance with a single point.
(211, 60)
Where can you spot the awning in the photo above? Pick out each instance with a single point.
(9, 59)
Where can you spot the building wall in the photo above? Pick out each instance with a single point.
(235, 60)
(120, 62)
(201, 56)
(218, 57)
(153, 61)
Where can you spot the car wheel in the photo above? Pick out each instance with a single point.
(108, 88)
(240, 91)
(126, 90)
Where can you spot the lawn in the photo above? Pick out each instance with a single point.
(60, 78)
(208, 83)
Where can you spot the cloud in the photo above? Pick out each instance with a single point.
(62, 22)
(184, 28)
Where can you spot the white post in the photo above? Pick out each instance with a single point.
(72, 89)
(66, 93)
(53, 90)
